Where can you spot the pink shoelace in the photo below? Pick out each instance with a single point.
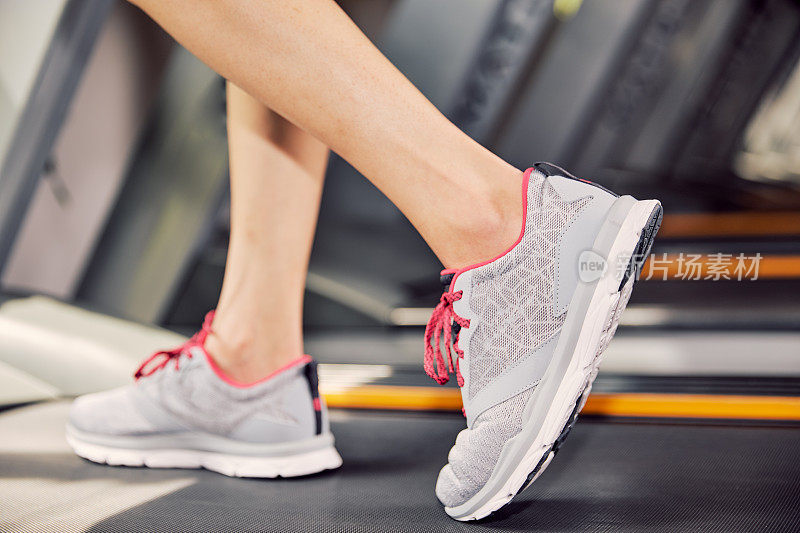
(441, 324)
(165, 356)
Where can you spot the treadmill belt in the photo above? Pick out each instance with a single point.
(607, 476)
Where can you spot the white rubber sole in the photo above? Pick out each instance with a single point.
(301, 464)
(546, 428)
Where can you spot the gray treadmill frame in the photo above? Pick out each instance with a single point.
(41, 119)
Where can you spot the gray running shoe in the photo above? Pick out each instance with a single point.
(183, 412)
(528, 329)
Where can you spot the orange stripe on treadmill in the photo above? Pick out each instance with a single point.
(621, 405)
(685, 267)
(394, 397)
(694, 406)
(741, 224)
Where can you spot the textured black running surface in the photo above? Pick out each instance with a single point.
(607, 476)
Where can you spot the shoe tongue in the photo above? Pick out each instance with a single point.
(445, 280)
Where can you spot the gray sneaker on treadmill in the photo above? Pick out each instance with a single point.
(183, 412)
(528, 329)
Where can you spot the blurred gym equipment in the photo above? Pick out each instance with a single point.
(114, 227)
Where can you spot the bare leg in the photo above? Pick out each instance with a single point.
(310, 63)
(277, 173)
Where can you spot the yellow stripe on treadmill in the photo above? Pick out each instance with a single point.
(691, 267)
(737, 224)
(602, 404)
(694, 406)
(393, 397)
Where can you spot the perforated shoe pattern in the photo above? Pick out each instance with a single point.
(513, 297)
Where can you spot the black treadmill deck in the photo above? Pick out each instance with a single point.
(608, 476)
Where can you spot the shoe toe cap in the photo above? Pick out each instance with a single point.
(465, 473)
(450, 490)
(477, 450)
(109, 413)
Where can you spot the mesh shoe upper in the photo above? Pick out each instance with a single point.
(472, 458)
(194, 398)
(514, 320)
(121, 411)
(186, 392)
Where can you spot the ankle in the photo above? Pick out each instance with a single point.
(488, 224)
(247, 358)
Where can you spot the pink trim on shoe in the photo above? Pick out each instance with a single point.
(238, 384)
(457, 271)
(198, 340)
